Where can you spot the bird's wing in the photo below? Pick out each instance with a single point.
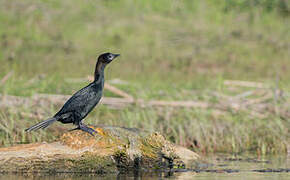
(81, 101)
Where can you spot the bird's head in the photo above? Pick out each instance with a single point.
(107, 57)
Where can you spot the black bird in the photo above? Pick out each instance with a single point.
(83, 101)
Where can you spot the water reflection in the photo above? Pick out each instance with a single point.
(212, 167)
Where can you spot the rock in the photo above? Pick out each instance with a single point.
(113, 149)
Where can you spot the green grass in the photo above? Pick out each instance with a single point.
(169, 51)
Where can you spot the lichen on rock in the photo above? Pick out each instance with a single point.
(112, 149)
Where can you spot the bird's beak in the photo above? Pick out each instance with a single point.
(116, 55)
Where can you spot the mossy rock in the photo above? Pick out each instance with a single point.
(112, 149)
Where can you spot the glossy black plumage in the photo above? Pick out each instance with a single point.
(83, 101)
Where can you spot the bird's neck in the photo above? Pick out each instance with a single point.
(99, 72)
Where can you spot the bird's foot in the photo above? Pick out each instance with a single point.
(87, 129)
(84, 128)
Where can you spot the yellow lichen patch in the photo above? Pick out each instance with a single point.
(151, 145)
(100, 131)
(156, 145)
(79, 139)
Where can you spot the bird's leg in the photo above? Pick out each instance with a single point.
(87, 129)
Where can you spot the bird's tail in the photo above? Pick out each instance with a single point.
(42, 124)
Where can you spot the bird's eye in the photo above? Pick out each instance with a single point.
(110, 56)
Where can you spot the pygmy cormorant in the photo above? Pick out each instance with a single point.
(83, 101)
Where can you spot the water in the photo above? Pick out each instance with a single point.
(219, 166)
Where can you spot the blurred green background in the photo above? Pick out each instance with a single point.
(170, 50)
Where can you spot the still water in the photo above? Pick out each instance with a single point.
(222, 166)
